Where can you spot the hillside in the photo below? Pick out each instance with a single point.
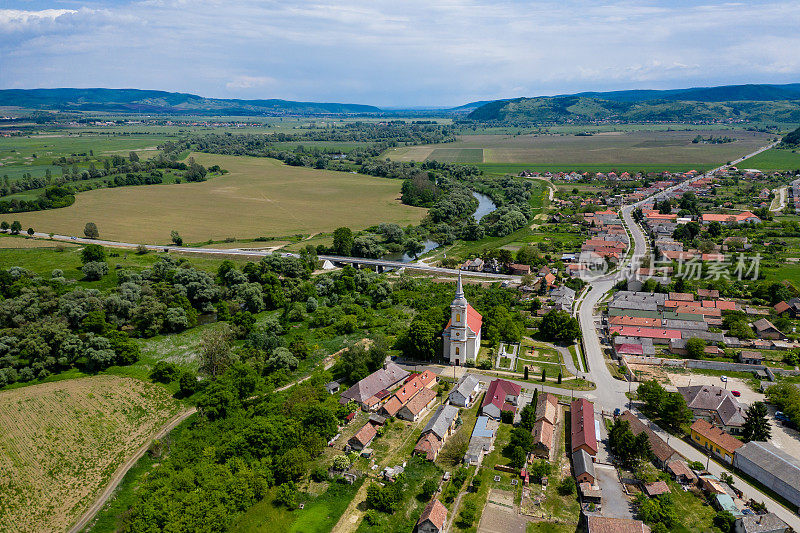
(576, 108)
(142, 101)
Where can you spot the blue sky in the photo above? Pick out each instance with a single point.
(396, 53)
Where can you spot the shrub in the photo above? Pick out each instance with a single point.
(567, 486)
(164, 372)
(94, 270)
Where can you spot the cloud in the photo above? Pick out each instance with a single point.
(417, 52)
(249, 82)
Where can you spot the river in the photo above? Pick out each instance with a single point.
(485, 206)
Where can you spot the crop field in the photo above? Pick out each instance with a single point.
(62, 441)
(636, 149)
(33, 153)
(774, 159)
(457, 155)
(258, 197)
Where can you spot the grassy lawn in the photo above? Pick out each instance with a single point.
(411, 507)
(694, 512)
(549, 527)
(773, 159)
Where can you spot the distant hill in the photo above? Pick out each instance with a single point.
(778, 103)
(163, 102)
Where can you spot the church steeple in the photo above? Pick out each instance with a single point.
(459, 300)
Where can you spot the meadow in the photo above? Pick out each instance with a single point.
(62, 441)
(258, 197)
(630, 149)
(773, 159)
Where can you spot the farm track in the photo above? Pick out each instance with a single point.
(116, 479)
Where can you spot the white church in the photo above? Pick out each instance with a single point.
(462, 336)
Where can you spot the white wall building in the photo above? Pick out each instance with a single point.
(462, 336)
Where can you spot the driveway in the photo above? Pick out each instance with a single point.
(615, 501)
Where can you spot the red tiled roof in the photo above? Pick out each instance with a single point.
(652, 333)
(634, 321)
(429, 445)
(714, 434)
(630, 349)
(365, 434)
(582, 425)
(474, 319)
(436, 513)
(498, 390)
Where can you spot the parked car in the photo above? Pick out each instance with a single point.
(736, 393)
(617, 411)
(723, 379)
(781, 416)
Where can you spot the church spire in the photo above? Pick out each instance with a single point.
(459, 300)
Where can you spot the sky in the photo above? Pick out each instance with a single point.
(409, 53)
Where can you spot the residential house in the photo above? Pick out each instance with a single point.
(766, 329)
(433, 518)
(543, 431)
(772, 467)
(436, 432)
(751, 357)
(516, 269)
(662, 452)
(656, 488)
(465, 391)
(363, 438)
(707, 294)
(332, 387)
(413, 385)
(417, 406)
(583, 467)
(790, 307)
(604, 524)
(365, 391)
(714, 404)
(729, 218)
(763, 523)
(582, 428)
(715, 440)
(563, 297)
(501, 396)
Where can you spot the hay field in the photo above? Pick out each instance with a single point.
(259, 197)
(61, 441)
(17, 242)
(612, 148)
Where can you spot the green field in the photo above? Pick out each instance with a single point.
(258, 197)
(637, 150)
(457, 155)
(774, 159)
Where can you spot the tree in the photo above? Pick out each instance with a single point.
(629, 448)
(4, 226)
(413, 247)
(695, 348)
(518, 457)
(526, 373)
(756, 425)
(544, 375)
(725, 521)
(91, 231)
(93, 253)
(343, 241)
(31, 232)
(177, 240)
(674, 411)
(715, 229)
(286, 495)
(16, 227)
(94, 270)
(567, 486)
(215, 351)
(467, 515)
(652, 394)
(560, 326)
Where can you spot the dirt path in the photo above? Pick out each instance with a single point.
(116, 479)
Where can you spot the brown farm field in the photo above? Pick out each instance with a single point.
(259, 197)
(602, 149)
(61, 442)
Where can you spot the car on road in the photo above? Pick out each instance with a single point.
(723, 379)
(617, 411)
(779, 415)
(736, 393)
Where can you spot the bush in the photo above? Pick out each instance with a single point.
(467, 516)
(93, 253)
(164, 372)
(187, 383)
(507, 417)
(567, 486)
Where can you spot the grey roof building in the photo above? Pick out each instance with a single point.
(441, 421)
(465, 391)
(772, 467)
(710, 336)
(765, 523)
(714, 404)
(379, 380)
(583, 466)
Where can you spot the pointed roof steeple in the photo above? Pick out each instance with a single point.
(459, 300)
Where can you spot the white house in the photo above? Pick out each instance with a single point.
(465, 392)
(462, 336)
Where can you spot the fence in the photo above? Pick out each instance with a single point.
(706, 365)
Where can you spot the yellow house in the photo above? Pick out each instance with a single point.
(715, 440)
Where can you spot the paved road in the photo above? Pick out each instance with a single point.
(259, 253)
(779, 202)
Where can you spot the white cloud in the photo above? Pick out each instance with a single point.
(408, 53)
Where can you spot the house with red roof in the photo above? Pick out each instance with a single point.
(730, 218)
(584, 436)
(657, 334)
(502, 396)
(462, 335)
(433, 518)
